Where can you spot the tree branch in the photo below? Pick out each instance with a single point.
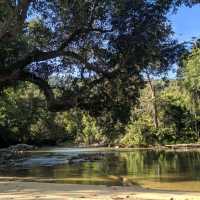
(23, 8)
(15, 20)
(53, 104)
(77, 33)
(38, 56)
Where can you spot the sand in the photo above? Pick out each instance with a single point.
(17, 190)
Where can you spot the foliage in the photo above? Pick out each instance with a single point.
(99, 48)
(91, 133)
(138, 132)
(74, 70)
(177, 124)
(191, 77)
(25, 119)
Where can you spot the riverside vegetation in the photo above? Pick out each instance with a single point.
(25, 118)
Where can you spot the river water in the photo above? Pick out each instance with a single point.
(145, 168)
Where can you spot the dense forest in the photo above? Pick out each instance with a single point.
(88, 72)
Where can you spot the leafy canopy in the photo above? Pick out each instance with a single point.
(97, 48)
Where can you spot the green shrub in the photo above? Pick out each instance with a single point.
(140, 132)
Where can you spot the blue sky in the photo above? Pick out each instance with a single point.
(186, 23)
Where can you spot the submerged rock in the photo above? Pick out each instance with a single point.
(74, 161)
(10, 155)
(21, 147)
(86, 158)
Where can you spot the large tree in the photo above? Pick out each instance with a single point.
(98, 47)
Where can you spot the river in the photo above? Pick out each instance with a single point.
(173, 170)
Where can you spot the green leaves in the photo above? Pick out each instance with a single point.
(191, 71)
(104, 45)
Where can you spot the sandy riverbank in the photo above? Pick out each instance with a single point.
(49, 191)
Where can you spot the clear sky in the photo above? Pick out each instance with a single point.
(186, 23)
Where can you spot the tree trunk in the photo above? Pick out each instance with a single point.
(154, 98)
(155, 108)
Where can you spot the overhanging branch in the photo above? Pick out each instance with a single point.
(38, 56)
(53, 104)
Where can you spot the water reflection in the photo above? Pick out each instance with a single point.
(146, 167)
